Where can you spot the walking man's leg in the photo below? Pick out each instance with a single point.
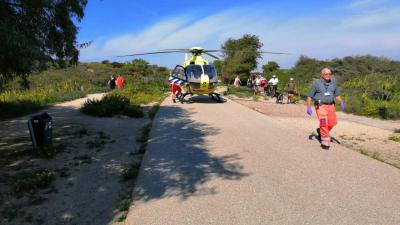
(322, 113)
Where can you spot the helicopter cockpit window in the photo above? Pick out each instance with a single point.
(179, 72)
(194, 72)
(210, 71)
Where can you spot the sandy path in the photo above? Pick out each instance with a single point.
(210, 163)
(93, 188)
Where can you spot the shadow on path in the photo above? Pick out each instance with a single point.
(203, 99)
(179, 160)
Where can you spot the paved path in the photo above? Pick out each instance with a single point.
(210, 163)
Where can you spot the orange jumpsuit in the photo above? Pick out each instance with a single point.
(327, 120)
(175, 88)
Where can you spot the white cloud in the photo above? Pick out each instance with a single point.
(380, 17)
(373, 32)
(358, 4)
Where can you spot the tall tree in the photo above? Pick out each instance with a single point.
(36, 32)
(270, 67)
(240, 56)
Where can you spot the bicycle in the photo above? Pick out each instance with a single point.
(279, 97)
(269, 90)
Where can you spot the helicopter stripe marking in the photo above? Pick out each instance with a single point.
(174, 80)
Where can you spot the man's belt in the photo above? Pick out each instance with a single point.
(323, 103)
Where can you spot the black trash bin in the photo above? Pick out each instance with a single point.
(41, 130)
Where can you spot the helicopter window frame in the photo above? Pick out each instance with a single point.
(179, 72)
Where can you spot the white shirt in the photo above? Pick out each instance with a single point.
(274, 81)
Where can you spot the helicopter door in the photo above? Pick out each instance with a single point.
(179, 72)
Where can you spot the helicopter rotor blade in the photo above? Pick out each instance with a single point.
(241, 51)
(176, 49)
(151, 53)
(276, 53)
(212, 50)
(209, 54)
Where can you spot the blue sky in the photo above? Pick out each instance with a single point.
(318, 29)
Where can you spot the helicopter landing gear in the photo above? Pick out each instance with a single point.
(217, 97)
(182, 97)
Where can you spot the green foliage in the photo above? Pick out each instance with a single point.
(240, 56)
(270, 67)
(377, 156)
(141, 70)
(57, 85)
(52, 86)
(395, 138)
(143, 93)
(28, 181)
(34, 33)
(241, 92)
(124, 205)
(110, 105)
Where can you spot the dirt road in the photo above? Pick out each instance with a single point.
(88, 187)
(210, 163)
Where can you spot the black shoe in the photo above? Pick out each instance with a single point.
(325, 147)
(319, 135)
(174, 100)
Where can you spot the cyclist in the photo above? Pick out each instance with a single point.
(274, 82)
(291, 89)
(263, 84)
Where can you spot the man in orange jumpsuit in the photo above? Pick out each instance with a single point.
(175, 84)
(175, 89)
(324, 92)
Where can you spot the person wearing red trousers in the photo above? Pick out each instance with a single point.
(324, 92)
(175, 88)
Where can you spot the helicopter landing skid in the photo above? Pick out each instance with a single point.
(217, 97)
(182, 97)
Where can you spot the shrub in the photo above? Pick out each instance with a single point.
(111, 105)
(39, 179)
(395, 138)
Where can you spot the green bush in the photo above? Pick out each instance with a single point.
(395, 138)
(27, 181)
(110, 105)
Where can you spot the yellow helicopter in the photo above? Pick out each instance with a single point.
(196, 75)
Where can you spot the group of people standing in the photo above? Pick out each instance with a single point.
(259, 84)
(116, 82)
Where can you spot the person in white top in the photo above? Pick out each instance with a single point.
(274, 82)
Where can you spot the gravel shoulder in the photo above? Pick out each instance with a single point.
(87, 186)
